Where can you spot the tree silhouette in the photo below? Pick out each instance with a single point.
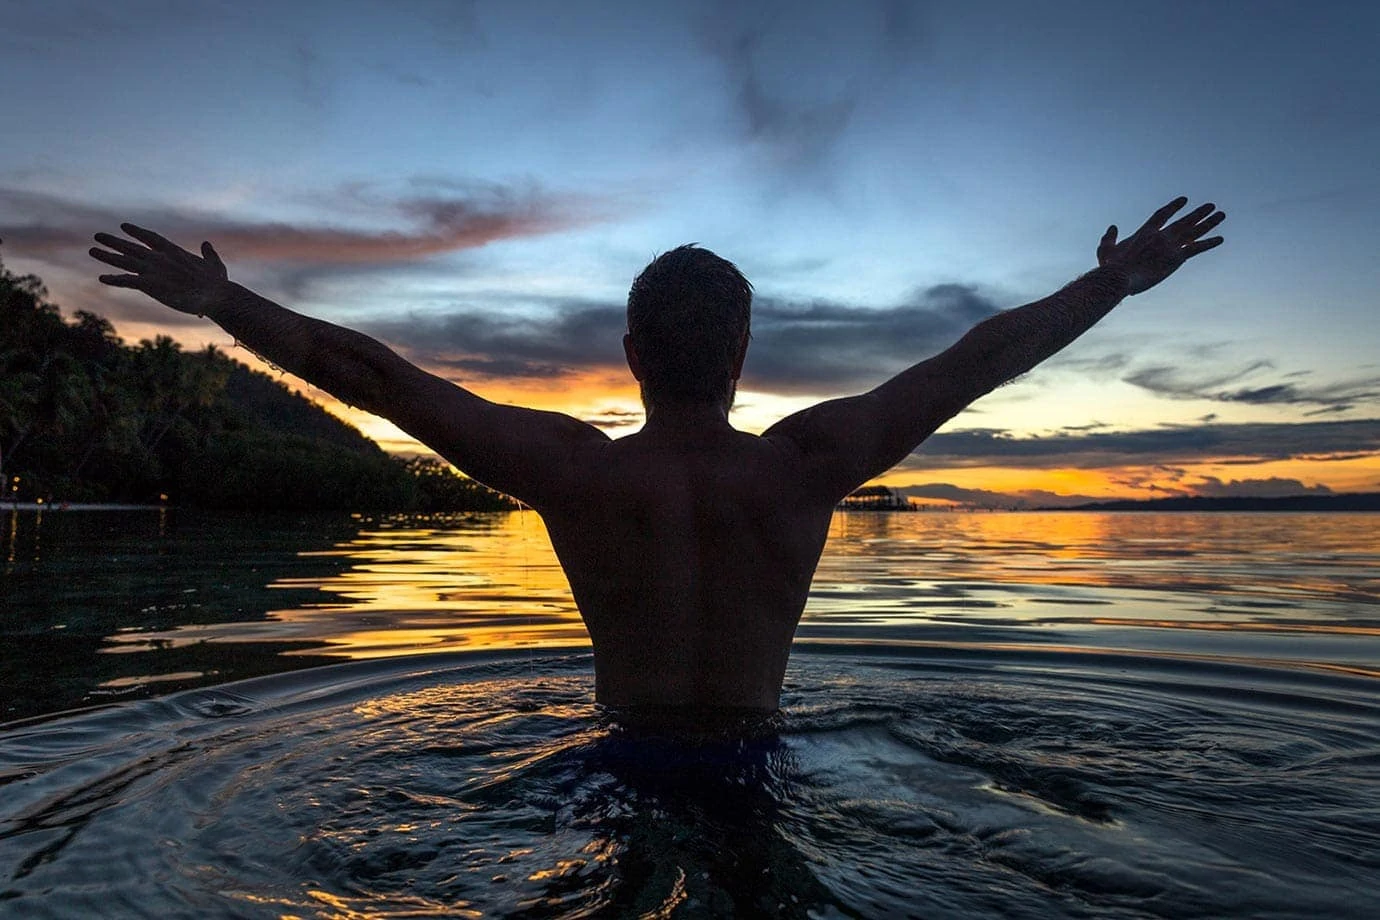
(84, 417)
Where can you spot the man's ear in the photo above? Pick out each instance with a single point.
(742, 356)
(634, 364)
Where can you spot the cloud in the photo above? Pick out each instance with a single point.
(796, 75)
(1177, 487)
(1175, 482)
(1098, 367)
(1245, 443)
(1177, 383)
(814, 347)
(437, 219)
(615, 419)
(283, 260)
(560, 337)
(817, 347)
(801, 131)
(1228, 387)
(797, 127)
(821, 346)
(1274, 487)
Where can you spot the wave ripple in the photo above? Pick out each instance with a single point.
(897, 782)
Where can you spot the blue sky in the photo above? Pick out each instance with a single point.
(478, 183)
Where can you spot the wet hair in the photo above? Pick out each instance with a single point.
(688, 313)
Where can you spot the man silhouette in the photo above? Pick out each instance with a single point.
(689, 545)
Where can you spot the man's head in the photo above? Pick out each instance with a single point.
(688, 319)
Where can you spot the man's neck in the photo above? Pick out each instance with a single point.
(679, 420)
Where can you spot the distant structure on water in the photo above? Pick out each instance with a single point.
(876, 498)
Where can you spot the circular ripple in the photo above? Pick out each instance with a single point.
(907, 783)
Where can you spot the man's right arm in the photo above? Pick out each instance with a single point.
(843, 443)
(516, 450)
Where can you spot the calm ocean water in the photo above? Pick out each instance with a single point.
(1031, 715)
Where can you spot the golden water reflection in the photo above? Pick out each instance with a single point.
(418, 585)
(1247, 562)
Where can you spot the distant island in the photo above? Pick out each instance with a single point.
(882, 498)
(85, 418)
(1353, 501)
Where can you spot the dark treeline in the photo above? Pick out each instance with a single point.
(87, 418)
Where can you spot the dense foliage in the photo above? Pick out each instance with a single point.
(84, 417)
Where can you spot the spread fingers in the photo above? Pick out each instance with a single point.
(151, 240)
(1185, 223)
(119, 260)
(120, 244)
(1206, 225)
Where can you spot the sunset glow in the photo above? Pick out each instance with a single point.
(477, 185)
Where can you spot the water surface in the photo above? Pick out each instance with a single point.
(1034, 715)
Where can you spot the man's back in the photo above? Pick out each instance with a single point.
(690, 553)
(689, 546)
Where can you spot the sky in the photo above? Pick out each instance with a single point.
(477, 184)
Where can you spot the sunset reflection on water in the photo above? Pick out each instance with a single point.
(1154, 692)
(117, 606)
(1282, 560)
(419, 585)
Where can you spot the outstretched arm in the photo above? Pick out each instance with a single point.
(512, 449)
(845, 442)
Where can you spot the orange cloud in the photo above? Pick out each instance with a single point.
(999, 486)
(451, 218)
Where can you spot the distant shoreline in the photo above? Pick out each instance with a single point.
(1354, 502)
(75, 506)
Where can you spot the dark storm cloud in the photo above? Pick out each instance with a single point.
(436, 219)
(1246, 443)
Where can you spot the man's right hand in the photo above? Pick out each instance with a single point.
(163, 270)
(1154, 252)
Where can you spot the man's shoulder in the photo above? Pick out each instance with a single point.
(649, 469)
(639, 447)
(728, 446)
